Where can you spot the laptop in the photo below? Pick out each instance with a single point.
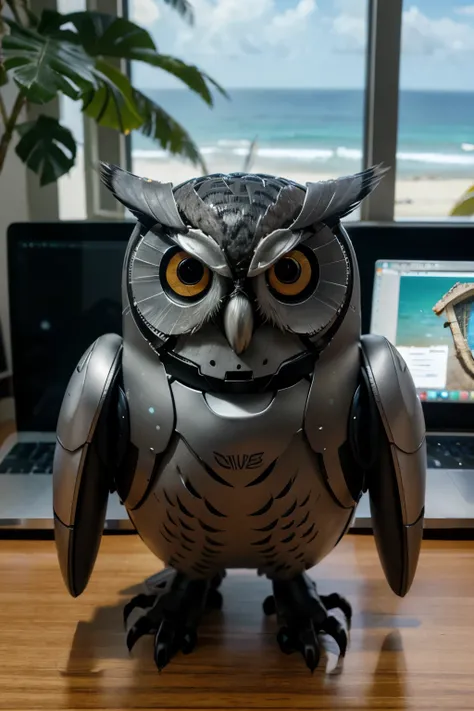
(425, 307)
(64, 287)
(64, 291)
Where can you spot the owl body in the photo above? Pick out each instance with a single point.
(251, 413)
(238, 485)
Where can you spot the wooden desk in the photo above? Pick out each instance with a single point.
(61, 653)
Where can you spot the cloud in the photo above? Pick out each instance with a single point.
(421, 35)
(425, 35)
(464, 10)
(144, 12)
(222, 27)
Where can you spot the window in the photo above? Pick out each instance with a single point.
(295, 73)
(71, 187)
(435, 151)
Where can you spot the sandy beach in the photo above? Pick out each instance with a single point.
(415, 198)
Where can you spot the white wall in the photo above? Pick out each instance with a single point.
(13, 208)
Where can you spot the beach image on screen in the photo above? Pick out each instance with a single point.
(438, 360)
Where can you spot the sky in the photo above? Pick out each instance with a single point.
(307, 43)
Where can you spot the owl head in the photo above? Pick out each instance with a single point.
(238, 251)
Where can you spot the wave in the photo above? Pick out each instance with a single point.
(223, 148)
(438, 158)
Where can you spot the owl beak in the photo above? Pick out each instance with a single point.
(238, 322)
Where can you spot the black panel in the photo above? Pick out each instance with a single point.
(188, 373)
(414, 240)
(65, 291)
(353, 473)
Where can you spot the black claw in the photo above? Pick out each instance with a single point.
(334, 629)
(141, 600)
(189, 641)
(164, 640)
(334, 601)
(311, 656)
(162, 656)
(310, 647)
(269, 605)
(214, 600)
(140, 628)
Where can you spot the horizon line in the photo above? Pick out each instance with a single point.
(308, 88)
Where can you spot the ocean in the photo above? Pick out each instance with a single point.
(321, 130)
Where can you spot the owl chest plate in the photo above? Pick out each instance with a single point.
(239, 437)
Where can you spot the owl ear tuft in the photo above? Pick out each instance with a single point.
(329, 201)
(148, 200)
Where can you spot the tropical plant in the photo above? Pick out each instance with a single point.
(77, 55)
(464, 207)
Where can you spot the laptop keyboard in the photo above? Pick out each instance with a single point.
(448, 452)
(29, 458)
(444, 452)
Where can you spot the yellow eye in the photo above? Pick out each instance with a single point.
(187, 276)
(291, 275)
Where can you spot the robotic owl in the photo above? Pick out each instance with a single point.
(241, 415)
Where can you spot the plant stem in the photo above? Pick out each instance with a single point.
(7, 136)
(3, 111)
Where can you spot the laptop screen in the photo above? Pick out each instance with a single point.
(426, 309)
(64, 293)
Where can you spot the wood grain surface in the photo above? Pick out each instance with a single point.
(62, 653)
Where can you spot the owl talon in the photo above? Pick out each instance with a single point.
(140, 600)
(174, 614)
(334, 629)
(303, 615)
(142, 626)
(335, 601)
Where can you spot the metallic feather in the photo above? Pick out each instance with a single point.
(148, 200)
(330, 200)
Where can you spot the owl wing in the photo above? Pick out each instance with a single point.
(390, 437)
(86, 449)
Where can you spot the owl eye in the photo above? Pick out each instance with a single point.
(294, 275)
(186, 276)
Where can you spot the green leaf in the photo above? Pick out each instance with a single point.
(159, 125)
(465, 205)
(113, 104)
(47, 148)
(44, 66)
(103, 35)
(98, 33)
(187, 73)
(183, 7)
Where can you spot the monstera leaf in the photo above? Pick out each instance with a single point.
(47, 148)
(102, 35)
(98, 33)
(112, 105)
(43, 66)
